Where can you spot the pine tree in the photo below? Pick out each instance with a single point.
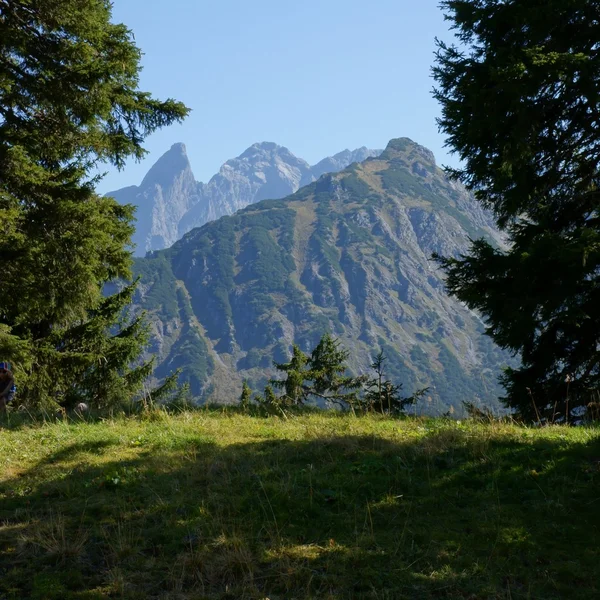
(69, 101)
(520, 103)
(374, 395)
(322, 375)
(270, 398)
(95, 360)
(328, 368)
(296, 372)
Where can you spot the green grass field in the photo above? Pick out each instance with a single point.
(213, 504)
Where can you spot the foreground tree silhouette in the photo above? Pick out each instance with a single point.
(520, 103)
(69, 101)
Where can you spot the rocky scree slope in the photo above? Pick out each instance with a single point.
(349, 254)
(170, 202)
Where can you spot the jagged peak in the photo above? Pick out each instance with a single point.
(178, 147)
(169, 165)
(260, 148)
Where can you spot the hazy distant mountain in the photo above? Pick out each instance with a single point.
(349, 254)
(170, 202)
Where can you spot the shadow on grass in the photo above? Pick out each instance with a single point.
(448, 515)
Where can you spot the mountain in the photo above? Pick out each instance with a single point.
(166, 194)
(170, 202)
(349, 254)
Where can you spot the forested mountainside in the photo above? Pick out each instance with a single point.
(170, 202)
(349, 254)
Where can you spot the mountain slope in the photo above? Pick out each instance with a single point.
(349, 254)
(170, 202)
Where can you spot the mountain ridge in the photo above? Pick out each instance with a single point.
(170, 202)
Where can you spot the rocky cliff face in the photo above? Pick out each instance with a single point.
(170, 202)
(349, 254)
(263, 171)
(166, 194)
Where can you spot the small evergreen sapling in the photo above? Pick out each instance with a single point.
(381, 395)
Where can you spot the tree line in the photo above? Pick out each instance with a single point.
(322, 378)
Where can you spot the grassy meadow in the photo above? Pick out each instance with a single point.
(216, 504)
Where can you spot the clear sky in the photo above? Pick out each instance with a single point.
(317, 76)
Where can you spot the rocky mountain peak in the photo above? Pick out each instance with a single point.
(262, 148)
(267, 154)
(168, 167)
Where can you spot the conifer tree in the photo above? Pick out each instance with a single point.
(69, 102)
(270, 398)
(328, 368)
(296, 374)
(322, 375)
(520, 99)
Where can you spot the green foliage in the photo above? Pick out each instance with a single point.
(270, 398)
(297, 371)
(261, 255)
(95, 358)
(328, 368)
(519, 102)
(356, 187)
(69, 100)
(170, 394)
(321, 376)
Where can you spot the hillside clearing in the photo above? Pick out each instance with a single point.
(221, 505)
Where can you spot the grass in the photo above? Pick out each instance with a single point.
(216, 504)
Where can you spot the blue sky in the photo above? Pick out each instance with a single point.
(316, 76)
